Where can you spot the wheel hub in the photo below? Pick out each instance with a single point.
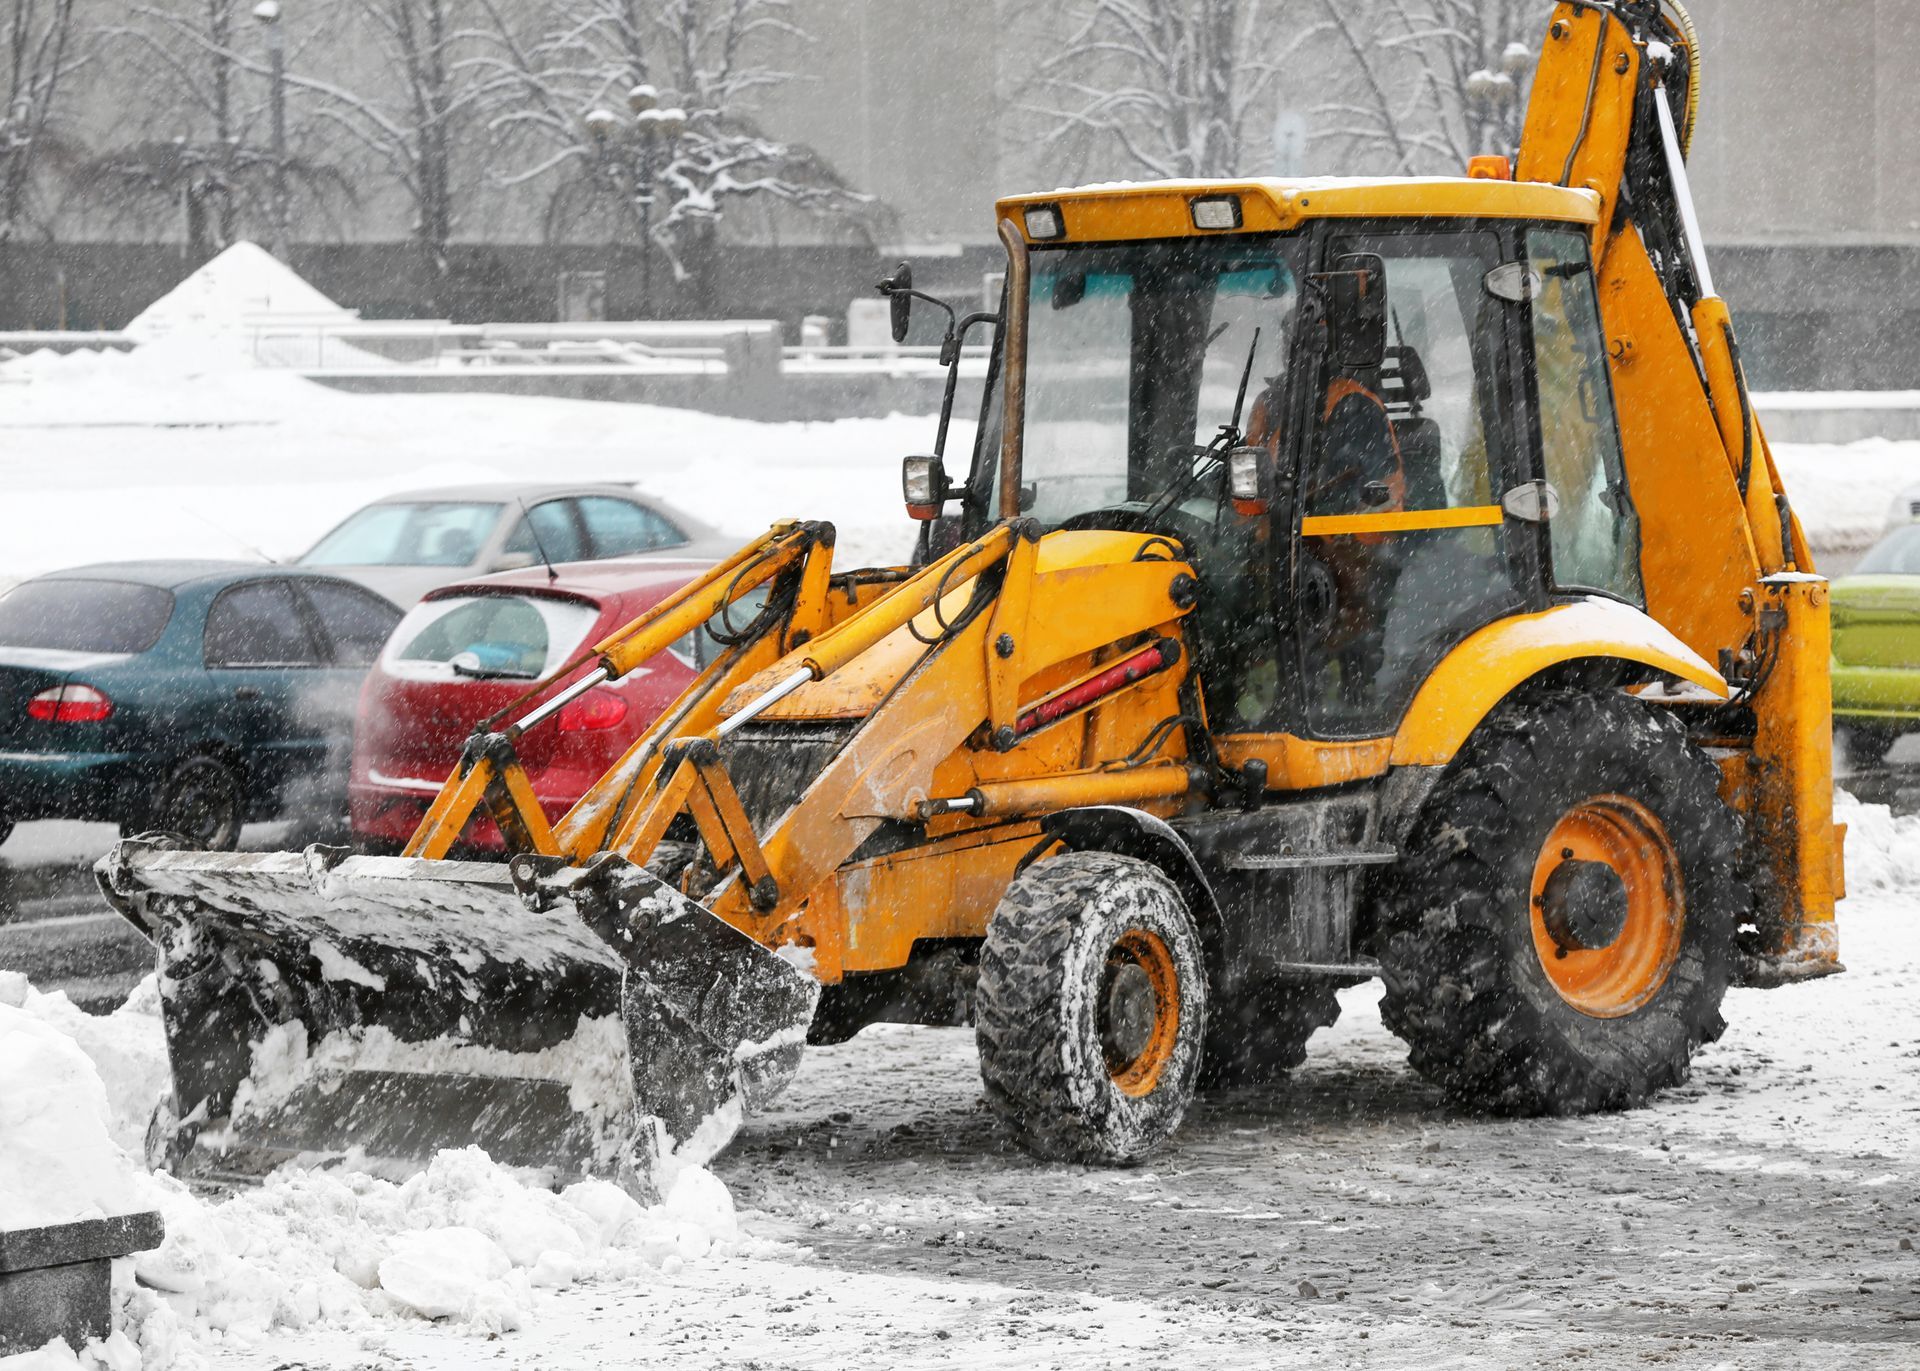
(1138, 1011)
(1608, 905)
(1584, 905)
(1129, 1013)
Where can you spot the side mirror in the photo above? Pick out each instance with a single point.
(923, 480)
(1357, 313)
(1250, 481)
(899, 301)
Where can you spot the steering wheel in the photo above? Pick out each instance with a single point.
(1317, 594)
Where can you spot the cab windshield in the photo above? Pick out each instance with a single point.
(1135, 353)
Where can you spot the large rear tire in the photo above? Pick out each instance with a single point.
(1559, 935)
(1092, 1008)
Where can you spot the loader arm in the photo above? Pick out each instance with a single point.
(1724, 560)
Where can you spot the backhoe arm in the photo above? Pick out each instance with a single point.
(1724, 562)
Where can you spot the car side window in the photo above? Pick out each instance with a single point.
(356, 621)
(558, 529)
(258, 625)
(618, 527)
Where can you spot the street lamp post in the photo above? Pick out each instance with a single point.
(1496, 99)
(268, 13)
(651, 127)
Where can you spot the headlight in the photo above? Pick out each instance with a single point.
(1044, 223)
(1216, 212)
(923, 481)
(1250, 480)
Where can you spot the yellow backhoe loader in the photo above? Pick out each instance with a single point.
(1351, 578)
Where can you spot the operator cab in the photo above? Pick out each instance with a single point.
(1414, 395)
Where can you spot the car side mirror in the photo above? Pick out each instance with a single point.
(511, 561)
(1357, 310)
(897, 288)
(923, 480)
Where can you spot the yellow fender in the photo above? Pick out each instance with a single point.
(1492, 663)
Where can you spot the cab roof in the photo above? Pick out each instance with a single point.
(1123, 210)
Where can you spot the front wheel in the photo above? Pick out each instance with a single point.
(1092, 1008)
(1559, 935)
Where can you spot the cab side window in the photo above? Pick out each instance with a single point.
(1595, 536)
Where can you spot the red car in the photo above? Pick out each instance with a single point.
(468, 649)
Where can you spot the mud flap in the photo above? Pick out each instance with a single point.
(584, 1020)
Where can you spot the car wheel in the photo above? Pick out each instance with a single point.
(201, 800)
(1866, 747)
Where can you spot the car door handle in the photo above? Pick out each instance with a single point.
(246, 692)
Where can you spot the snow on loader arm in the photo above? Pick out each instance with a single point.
(567, 1009)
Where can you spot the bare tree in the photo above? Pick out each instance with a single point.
(640, 114)
(42, 53)
(1433, 82)
(1172, 86)
(416, 111)
(190, 55)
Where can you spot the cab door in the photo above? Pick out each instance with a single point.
(1402, 547)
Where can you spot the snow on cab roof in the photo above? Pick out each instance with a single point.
(1114, 210)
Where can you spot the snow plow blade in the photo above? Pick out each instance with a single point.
(587, 1020)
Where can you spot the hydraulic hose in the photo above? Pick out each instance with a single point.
(1690, 40)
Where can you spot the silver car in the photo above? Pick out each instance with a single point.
(407, 544)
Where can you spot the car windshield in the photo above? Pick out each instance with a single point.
(1897, 554)
(487, 635)
(1134, 357)
(84, 616)
(420, 533)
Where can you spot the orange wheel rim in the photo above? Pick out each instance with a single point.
(1606, 945)
(1138, 1011)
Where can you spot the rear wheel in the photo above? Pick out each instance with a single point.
(1866, 746)
(1092, 1008)
(201, 800)
(1560, 934)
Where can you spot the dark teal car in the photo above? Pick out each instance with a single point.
(186, 696)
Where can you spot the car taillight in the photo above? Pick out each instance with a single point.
(595, 709)
(70, 704)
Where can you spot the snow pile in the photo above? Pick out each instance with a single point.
(1883, 850)
(128, 1049)
(1843, 494)
(58, 1163)
(244, 286)
(465, 1241)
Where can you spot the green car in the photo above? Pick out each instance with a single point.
(1876, 647)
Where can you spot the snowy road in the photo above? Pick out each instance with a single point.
(1754, 1219)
